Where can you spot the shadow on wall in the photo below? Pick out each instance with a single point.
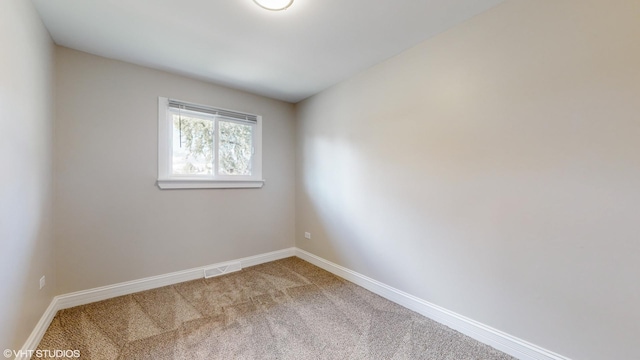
(350, 198)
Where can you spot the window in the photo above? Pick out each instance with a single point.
(205, 147)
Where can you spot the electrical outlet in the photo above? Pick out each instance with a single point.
(42, 282)
(307, 235)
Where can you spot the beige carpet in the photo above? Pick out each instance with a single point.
(287, 309)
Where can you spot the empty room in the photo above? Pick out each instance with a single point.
(303, 179)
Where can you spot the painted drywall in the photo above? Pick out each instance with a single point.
(112, 223)
(492, 170)
(26, 118)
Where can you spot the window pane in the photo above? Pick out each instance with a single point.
(192, 146)
(235, 148)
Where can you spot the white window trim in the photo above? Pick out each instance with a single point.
(166, 180)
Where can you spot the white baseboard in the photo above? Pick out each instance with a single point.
(130, 287)
(502, 341)
(38, 332)
(497, 339)
(107, 292)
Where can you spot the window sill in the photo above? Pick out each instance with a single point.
(208, 184)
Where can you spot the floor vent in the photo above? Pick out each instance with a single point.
(222, 269)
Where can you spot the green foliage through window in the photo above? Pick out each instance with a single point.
(235, 148)
(194, 152)
(193, 145)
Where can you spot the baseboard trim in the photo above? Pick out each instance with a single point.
(497, 339)
(38, 332)
(83, 297)
(107, 292)
(504, 342)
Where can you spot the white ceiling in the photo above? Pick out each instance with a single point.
(287, 55)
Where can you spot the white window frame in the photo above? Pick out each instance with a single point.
(166, 178)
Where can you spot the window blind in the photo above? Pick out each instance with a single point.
(250, 118)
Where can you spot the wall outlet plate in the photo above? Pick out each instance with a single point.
(307, 235)
(43, 281)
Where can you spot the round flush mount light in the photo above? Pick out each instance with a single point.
(274, 5)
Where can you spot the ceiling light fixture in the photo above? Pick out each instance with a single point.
(274, 5)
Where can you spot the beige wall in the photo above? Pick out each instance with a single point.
(112, 223)
(493, 170)
(26, 117)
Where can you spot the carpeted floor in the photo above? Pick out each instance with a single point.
(286, 309)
